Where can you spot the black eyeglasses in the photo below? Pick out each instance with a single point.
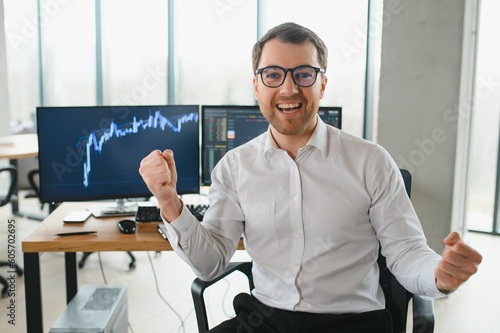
(303, 76)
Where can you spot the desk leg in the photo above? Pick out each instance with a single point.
(71, 278)
(33, 293)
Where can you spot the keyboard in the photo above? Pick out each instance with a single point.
(148, 214)
(198, 211)
(152, 213)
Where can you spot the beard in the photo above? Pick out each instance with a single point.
(294, 126)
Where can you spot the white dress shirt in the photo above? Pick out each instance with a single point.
(312, 225)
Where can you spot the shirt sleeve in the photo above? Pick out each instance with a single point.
(398, 228)
(207, 247)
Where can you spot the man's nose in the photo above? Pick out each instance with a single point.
(289, 85)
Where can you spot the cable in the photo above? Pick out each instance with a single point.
(162, 298)
(185, 318)
(102, 268)
(223, 302)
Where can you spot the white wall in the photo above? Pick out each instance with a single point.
(419, 93)
(4, 95)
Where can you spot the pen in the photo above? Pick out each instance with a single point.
(76, 233)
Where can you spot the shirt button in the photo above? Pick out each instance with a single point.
(184, 228)
(295, 198)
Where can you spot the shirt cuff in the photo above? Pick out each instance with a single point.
(430, 289)
(181, 229)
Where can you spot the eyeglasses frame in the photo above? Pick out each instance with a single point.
(291, 70)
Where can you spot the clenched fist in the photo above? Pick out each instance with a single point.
(459, 262)
(159, 173)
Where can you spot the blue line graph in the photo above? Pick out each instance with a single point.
(96, 140)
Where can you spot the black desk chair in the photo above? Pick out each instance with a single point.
(85, 256)
(396, 296)
(5, 199)
(34, 182)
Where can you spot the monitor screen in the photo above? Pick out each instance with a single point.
(94, 152)
(225, 127)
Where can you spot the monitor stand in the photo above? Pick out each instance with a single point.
(120, 208)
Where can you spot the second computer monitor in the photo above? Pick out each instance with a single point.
(225, 127)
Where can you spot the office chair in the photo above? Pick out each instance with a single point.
(85, 255)
(396, 296)
(5, 199)
(34, 182)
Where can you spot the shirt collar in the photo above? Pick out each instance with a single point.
(318, 139)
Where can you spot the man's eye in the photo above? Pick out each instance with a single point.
(273, 75)
(304, 75)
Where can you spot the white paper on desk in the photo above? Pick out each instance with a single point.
(77, 216)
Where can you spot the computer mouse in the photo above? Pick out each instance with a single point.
(127, 226)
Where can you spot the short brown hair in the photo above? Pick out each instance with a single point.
(294, 33)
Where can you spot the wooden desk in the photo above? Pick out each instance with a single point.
(18, 146)
(108, 238)
(15, 147)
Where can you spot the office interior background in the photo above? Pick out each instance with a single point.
(104, 52)
(422, 78)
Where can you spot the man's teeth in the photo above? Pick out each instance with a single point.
(288, 106)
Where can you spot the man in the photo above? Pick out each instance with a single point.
(313, 204)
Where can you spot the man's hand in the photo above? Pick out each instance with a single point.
(159, 173)
(459, 262)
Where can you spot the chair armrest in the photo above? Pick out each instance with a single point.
(423, 315)
(198, 288)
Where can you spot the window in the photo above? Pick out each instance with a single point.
(483, 161)
(134, 51)
(214, 44)
(211, 51)
(21, 35)
(68, 52)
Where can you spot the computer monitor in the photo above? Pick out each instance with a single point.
(94, 152)
(225, 127)
(331, 115)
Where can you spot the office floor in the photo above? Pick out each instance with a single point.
(474, 308)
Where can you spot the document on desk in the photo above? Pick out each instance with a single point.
(77, 216)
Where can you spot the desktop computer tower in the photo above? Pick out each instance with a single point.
(95, 309)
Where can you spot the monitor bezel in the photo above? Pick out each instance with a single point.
(45, 198)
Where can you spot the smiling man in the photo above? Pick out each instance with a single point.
(313, 204)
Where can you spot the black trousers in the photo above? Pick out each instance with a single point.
(254, 317)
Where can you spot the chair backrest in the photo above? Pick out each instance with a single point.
(34, 181)
(396, 296)
(11, 187)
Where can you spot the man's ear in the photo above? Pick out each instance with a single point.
(255, 87)
(324, 81)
